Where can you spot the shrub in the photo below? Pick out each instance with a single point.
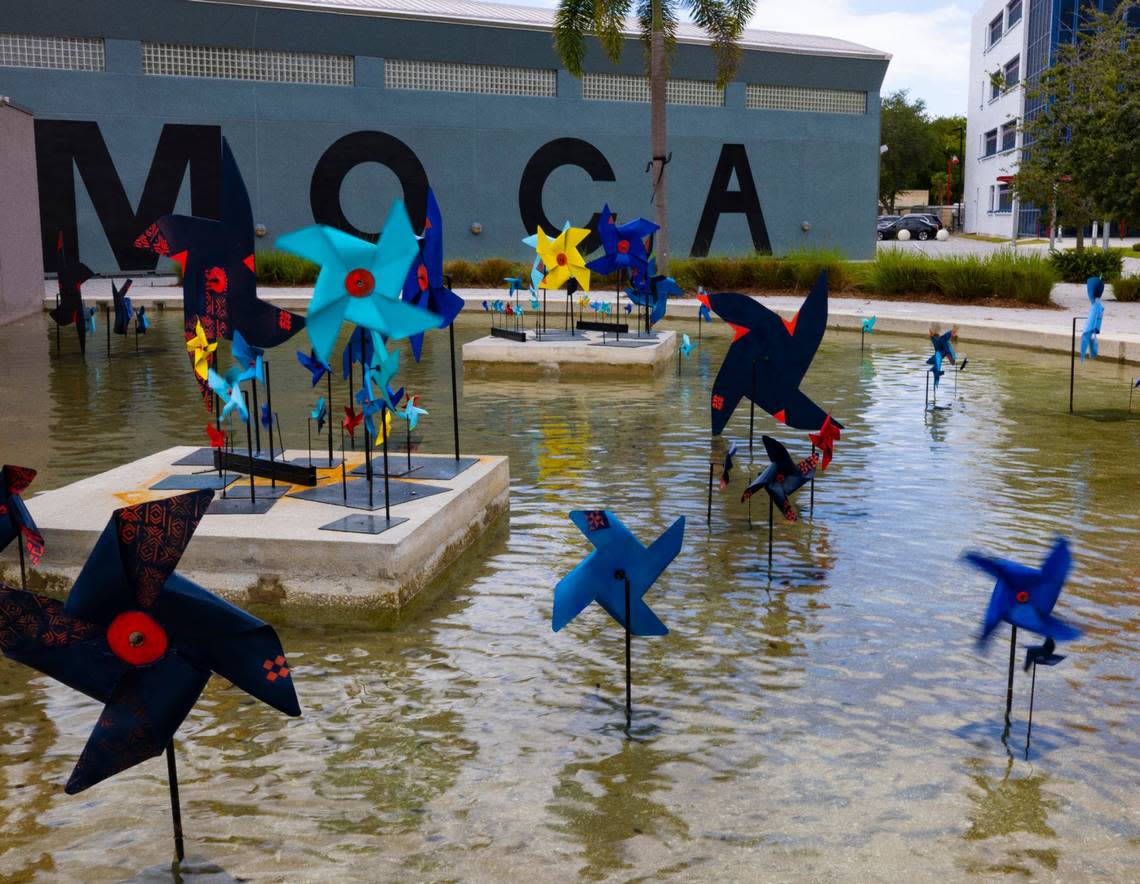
(964, 277)
(282, 268)
(1136, 246)
(1028, 278)
(1077, 266)
(803, 268)
(462, 272)
(1127, 288)
(898, 272)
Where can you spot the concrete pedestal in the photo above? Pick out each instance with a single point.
(283, 556)
(585, 353)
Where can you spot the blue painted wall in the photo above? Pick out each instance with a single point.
(819, 168)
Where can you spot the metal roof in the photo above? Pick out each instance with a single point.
(503, 15)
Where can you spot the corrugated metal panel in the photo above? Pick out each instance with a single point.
(538, 18)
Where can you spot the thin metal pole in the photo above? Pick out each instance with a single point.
(351, 391)
(256, 414)
(269, 405)
(330, 408)
(1032, 691)
(752, 410)
(708, 517)
(175, 804)
(926, 399)
(384, 435)
(280, 436)
(343, 469)
(1072, 363)
(771, 507)
(1009, 683)
(23, 572)
(621, 575)
(811, 504)
(408, 425)
(368, 463)
(309, 434)
(249, 443)
(862, 334)
(455, 390)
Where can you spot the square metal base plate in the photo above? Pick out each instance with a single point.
(194, 482)
(401, 492)
(243, 506)
(360, 523)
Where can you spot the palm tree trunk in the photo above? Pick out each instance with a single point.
(657, 135)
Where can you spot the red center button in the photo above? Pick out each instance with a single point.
(561, 258)
(359, 283)
(623, 246)
(136, 638)
(1023, 596)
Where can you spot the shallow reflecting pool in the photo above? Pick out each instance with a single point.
(830, 719)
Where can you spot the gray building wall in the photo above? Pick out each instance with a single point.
(816, 167)
(21, 270)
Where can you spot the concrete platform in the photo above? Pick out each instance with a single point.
(283, 556)
(584, 353)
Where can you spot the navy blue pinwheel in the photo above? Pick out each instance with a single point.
(782, 477)
(358, 349)
(219, 284)
(123, 309)
(424, 286)
(15, 520)
(1025, 596)
(71, 274)
(623, 244)
(316, 368)
(142, 639)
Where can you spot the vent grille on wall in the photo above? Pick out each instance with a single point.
(620, 87)
(805, 98)
(440, 76)
(58, 53)
(265, 65)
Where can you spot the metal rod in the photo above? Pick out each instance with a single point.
(811, 503)
(621, 575)
(330, 410)
(351, 391)
(455, 390)
(708, 517)
(752, 410)
(23, 572)
(280, 437)
(926, 398)
(343, 469)
(1032, 691)
(175, 804)
(1072, 363)
(771, 508)
(309, 434)
(368, 463)
(269, 406)
(249, 443)
(256, 413)
(1009, 683)
(408, 425)
(862, 334)
(384, 437)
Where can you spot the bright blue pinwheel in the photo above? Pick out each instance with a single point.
(412, 411)
(600, 576)
(250, 360)
(623, 244)
(123, 309)
(1091, 333)
(943, 350)
(1025, 596)
(869, 324)
(316, 367)
(687, 346)
(705, 313)
(229, 391)
(424, 286)
(360, 282)
(320, 413)
(486, 306)
(266, 416)
(141, 321)
(89, 319)
(535, 304)
(357, 349)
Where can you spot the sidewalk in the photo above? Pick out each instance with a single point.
(1034, 329)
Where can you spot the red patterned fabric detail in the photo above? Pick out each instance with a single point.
(28, 619)
(152, 240)
(153, 536)
(596, 520)
(284, 320)
(34, 542)
(18, 478)
(122, 738)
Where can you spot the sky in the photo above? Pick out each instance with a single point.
(928, 39)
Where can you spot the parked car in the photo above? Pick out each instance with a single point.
(920, 228)
(934, 219)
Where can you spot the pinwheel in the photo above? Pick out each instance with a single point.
(782, 477)
(1025, 597)
(943, 350)
(703, 312)
(424, 286)
(1091, 333)
(16, 523)
(123, 309)
(200, 350)
(623, 244)
(352, 420)
(230, 392)
(583, 301)
(768, 358)
(142, 639)
(687, 346)
(370, 405)
(219, 284)
(216, 436)
(869, 325)
(825, 441)
(412, 411)
(535, 304)
(316, 367)
(562, 259)
(266, 416)
(358, 349)
(650, 290)
(616, 575)
(360, 282)
(486, 306)
(89, 320)
(320, 413)
(71, 275)
(726, 471)
(141, 321)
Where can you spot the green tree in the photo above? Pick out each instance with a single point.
(910, 143)
(1082, 154)
(722, 20)
(948, 134)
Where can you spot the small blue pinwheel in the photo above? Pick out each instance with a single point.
(705, 313)
(316, 367)
(1091, 334)
(124, 312)
(943, 350)
(360, 282)
(486, 306)
(687, 346)
(601, 576)
(89, 319)
(266, 416)
(869, 324)
(320, 413)
(229, 391)
(250, 360)
(729, 461)
(141, 321)
(412, 411)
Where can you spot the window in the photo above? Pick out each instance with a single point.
(1012, 14)
(991, 143)
(439, 76)
(58, 53)
(1009, 136)
(758, 96)
(995, 31)
(1011, 73)
(1004, 199)
(619, 87)
(265, 65)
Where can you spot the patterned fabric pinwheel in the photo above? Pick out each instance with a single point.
(200, 350)
(424, 284)
(782, 477)
(142, 639)
(1091, 333)
(219, 283)
(71, 275)
(123, 309)
(360, 282)
(15, 520)
(562, 259)
(624, 244)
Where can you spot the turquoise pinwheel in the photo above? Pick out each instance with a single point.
(249, 359)
(412, 411)
(624, 244)
(320, 413)
(687, 346)
(229, 391)
(869, 324)
(360, 282)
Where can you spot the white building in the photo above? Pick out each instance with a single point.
(998, 48)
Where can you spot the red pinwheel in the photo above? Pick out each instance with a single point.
(352, 420)
(825, 440)
(15, 520)
(142, 639)
(217, 437)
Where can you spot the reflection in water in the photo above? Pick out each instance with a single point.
(828, 720)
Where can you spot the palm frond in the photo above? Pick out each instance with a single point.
(723, 21)
(609, 24)
(572, 22)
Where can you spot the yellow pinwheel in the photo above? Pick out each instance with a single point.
(386, 430)
(561, 258)
(200, 348)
